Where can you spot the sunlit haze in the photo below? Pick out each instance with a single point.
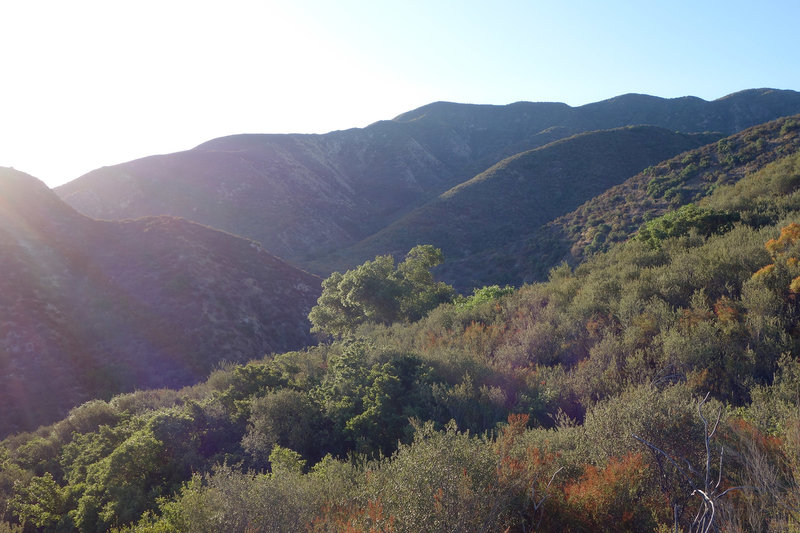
(93, 83)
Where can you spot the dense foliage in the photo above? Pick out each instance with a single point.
(379, 292)
(600, 400)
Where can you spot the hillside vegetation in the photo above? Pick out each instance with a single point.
(599, 400)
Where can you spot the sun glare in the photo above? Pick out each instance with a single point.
(91, 83)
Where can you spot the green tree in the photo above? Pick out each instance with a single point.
(40, 503)
(379, 292)
(688, 217)
(368, 403)
(286, 418)
(420, 292)
(122, 485)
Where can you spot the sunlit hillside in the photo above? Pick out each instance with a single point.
(651, 385)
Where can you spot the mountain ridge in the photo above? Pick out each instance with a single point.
(303, 196)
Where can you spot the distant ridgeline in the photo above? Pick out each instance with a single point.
(476, 181)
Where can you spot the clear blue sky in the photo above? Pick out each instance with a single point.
(93, 83)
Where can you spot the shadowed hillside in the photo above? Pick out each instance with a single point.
(91, 308)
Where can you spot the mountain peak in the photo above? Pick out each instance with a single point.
(15, 183)
(23, 197)
(448, 111)
(752, 93)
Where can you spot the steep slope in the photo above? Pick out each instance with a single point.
(619, 212)
(519, 194)
(90, 308)
(304, 196)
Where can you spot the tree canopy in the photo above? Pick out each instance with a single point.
(380, 292)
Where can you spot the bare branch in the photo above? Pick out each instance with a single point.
(740, 487)
(700, 482)
(714, 430)
(537, 505)
(665, 454)
(560, 468)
